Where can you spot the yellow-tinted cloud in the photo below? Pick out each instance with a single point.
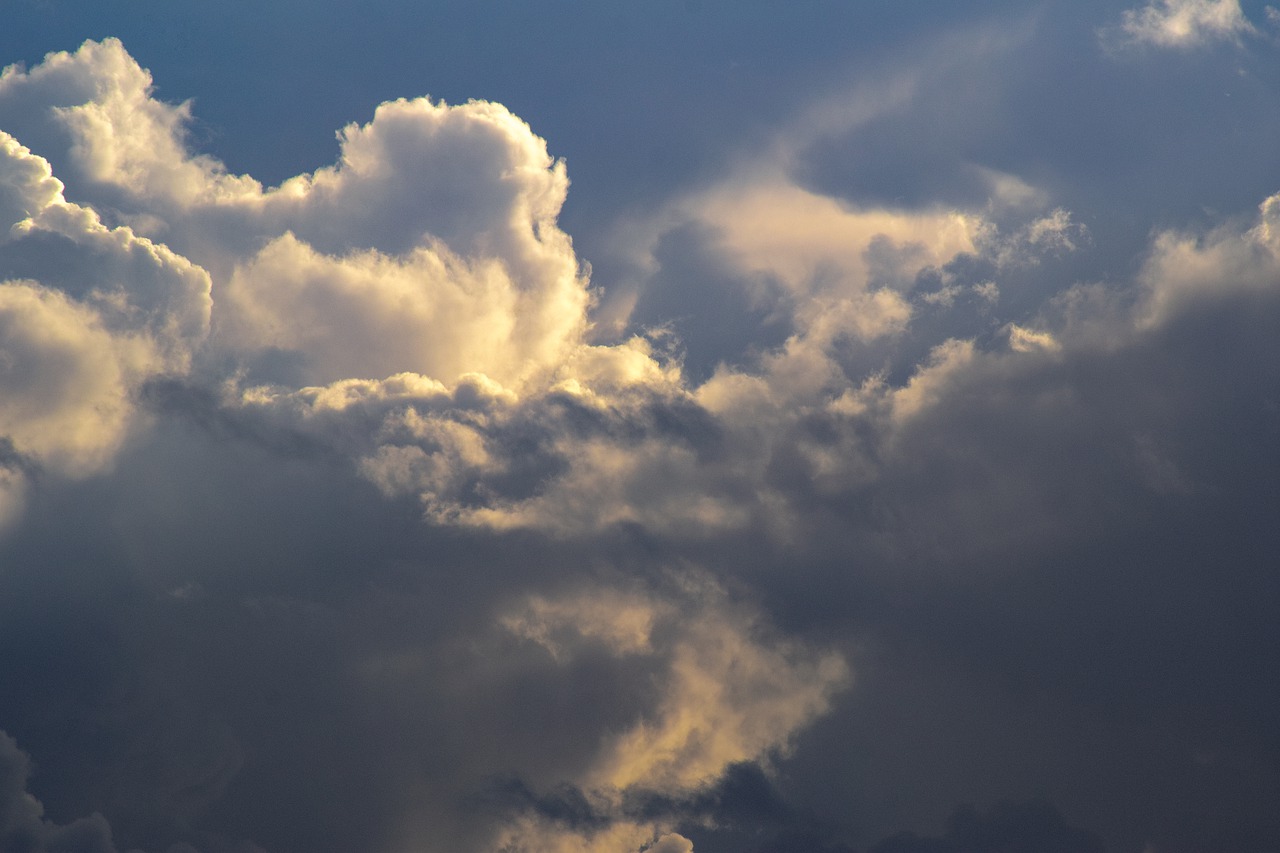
(727, 689)
(1185, 269)
(78, 340)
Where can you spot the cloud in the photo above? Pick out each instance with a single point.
(332, 276)
(622, 436)
(92, 112)
(433, 215)
(1186, 23)
(25, 827)
(358, 254)
(503, 416)
(530, 836)
(335, 476)
(621, 440)
(724, 689)
(22, 822)
(814, 247)
(1029, 340)
(88, 315)
(363, 315)
(1019, 826)
(67, 379)
(672, 843)
(1184, 270)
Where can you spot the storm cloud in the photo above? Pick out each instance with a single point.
(882, 472)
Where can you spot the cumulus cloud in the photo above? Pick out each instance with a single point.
(1185, 269)
(433, 215)
(67, 379)
(411, 322)
(88, 313)
(811, 244)
(363, 315)
(416, 306)
(623, 437)
(92, 112)
(360, 260)
(431, 247)
(1185, 23)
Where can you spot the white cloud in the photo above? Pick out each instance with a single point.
(435, 216)
(1029, 340)
(1050, 235)
(370, 315)
(92, 113)
(417, 305)
(1185, 269)
(1185, 23)
(728, 698)
(95, 313)
(925, 387)
(821, 251)
(65, 380)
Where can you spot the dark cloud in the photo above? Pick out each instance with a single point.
(1031, 827)
(351, 516)
(23, 828)
(717, 321)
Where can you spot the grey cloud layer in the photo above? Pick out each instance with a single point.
(339, 475)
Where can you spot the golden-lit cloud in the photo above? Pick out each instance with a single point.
(1186, 268)
(372, 431)
(819, 248)
(726, 689)
(82, 333)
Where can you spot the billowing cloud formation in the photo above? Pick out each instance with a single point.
(1186, 269)
(88, 314)
(333, 275)
(365, 261)
(338, 475)
(92, 112)
(418, 325)
(463, 335)
(435, 216)
(1186, 23)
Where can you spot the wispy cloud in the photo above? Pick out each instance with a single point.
(1185, 23)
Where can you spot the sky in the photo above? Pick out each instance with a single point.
(617, 427)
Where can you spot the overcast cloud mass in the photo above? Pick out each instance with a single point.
(684, 426)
